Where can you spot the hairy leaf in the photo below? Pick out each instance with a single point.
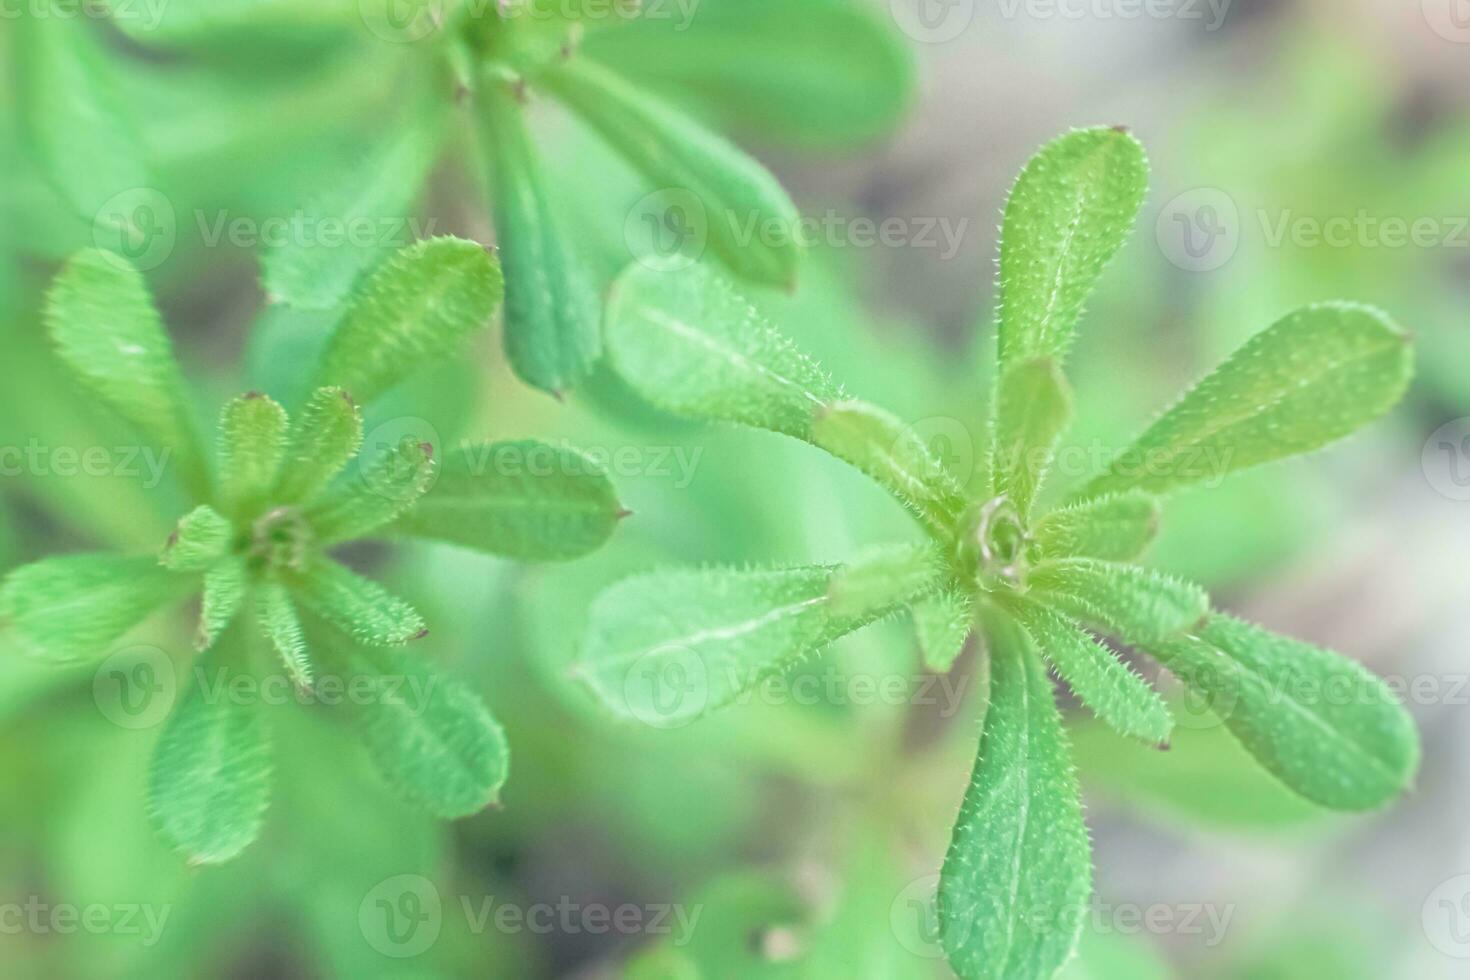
(526, 500)
(419, 307)
(431, 737)
(1033, 404)
(943, 622)
(359, 607)
(748, 221)
(225, 586)
(252, 445)
(282, 627)
(1105, 684)
(875, 578)
(892, 454)
(1320, 723)
(1112, 528)
(1310, 379)
(379, 494)
(71, 607)
(689, 343)
(667, 647)
(324, 437)
(1016, 881)
(103, 322)
(201, 538)
(1136, 604)
(1071, 209)
(552, 312)
(209, 782)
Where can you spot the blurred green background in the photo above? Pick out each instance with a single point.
(1302, 151)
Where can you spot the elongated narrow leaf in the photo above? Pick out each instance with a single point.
(873, 579)
(1015, 885)
(324, 437)
(431, 737)
(689, 343)
(1033, 404)
(252, 445)
(381, 492)
(419, 307)
(553, 333)
(357, 606)
(1105, 684)
(201, 538)
(370, 203)
(748, 220)
(76, 121)
(103, 322)
(1310, 379)
(1071, 209)
(1320, 723)
(892, 454)
(73, 607)
(228, 23)
(814, 74)
(282, 627)
(943, 622)
(209, 782)
(225, 586)
(525, 499)
(666, 647)
(1136, 604)
(1112, 528)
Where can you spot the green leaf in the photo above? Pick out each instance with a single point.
(526, 500)
(252, 445)
(816, 74)
(209, 783)
(419, 307)
(201, 538)
(225, 585)
(748, 220)
(1070, 211)
(552, 312)
(104, 325)
(379, 494)
(1014, 890)
(72, 607)
(1112, 528)
(1109, 688)
(431, 737)
(1320, 723)
(1033, 405)
(892, 454)
(231, 23)
(666, 647)
(282, 627)
(1310, 379)
(689, 343)
(874, 579)
(324, 437)
(74, 117)
(371, 202)
(943, 622)
(1136, 604)
(359, 607)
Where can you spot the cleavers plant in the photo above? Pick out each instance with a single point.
(283, 493)
(1040, 587)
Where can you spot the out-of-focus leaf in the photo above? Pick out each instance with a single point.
(1310, 379)
(225, 586)
(526, 499)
